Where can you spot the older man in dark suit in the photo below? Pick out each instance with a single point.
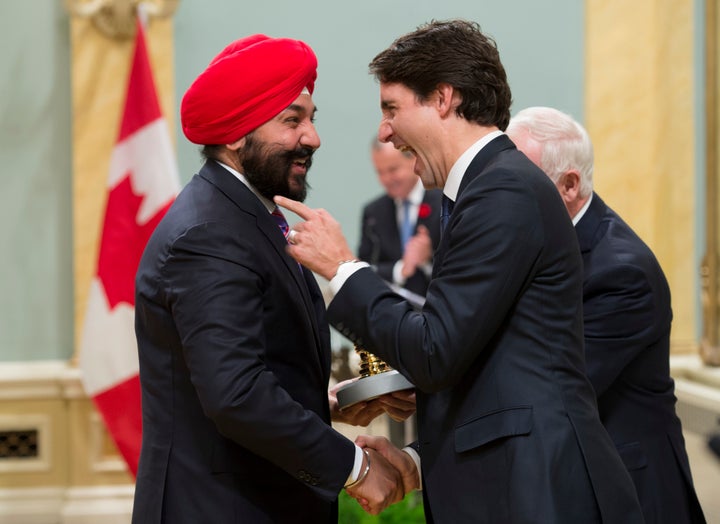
(627, 317)
(507, 420)
(233, 342)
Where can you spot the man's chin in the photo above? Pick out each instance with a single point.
(297, 190)
(298, 196)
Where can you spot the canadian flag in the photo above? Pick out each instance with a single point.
(142, 183)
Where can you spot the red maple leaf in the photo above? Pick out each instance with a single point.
(123, 242)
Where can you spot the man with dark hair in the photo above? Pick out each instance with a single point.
(507, 421)
(233, 343)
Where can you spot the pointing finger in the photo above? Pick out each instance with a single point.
(296, 207)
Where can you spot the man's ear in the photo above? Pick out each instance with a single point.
(448, 99)
(569, 186)
(238, 144)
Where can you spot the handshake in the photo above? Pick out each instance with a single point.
(386, 476)
(387, 473)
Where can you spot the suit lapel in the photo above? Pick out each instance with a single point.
(424, 220)
(482, 159)
(476, 168)
(241, 195)
(389, 228)
(587, 228)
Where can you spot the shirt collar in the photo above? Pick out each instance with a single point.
(415, 197)
(582, 211)
(269, 205)
(452, 183)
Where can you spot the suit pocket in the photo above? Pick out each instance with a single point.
(508, 422)
(632, 455)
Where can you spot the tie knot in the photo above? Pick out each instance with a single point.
(445, 211)
(447, 206)
(281, 222)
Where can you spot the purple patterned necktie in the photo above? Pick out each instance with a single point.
(281, 222)
(284, 227)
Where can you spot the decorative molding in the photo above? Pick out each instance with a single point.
(116, 18)
(100, 460)
(683, 347)
(39, 380)
(31, 505)
(697, 388)
(86, 505)
(710, 343)
(106, 504)
(20, 422)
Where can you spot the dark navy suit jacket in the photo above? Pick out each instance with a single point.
(234, 355)
(380, 237)
(626, 301)
(507, 420)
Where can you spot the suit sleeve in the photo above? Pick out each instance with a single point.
(619, 312)
(495, 238)
(216, 297)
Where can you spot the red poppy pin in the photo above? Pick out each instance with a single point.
(424, 210)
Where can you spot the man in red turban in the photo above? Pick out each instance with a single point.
(247, 84)
(233, 343)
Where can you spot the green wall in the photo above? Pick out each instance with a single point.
(36, 272)
(541, 44)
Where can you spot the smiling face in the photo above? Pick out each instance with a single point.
(276, 156)
(411, 125)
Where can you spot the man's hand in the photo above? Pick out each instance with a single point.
(381, 487)
(399, 459)
(360, 414)
(318, 243)
(418, 251)
(399, 405)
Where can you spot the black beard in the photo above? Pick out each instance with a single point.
(268, 169)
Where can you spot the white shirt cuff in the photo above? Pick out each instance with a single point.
(397, 273)
(344, 272)
(416, 458)
(356, 467)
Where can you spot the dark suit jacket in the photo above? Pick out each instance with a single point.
(380, 237)
(627, 316)
(234, 365)
(507, 420)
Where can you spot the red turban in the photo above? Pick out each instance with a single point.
(248, 83)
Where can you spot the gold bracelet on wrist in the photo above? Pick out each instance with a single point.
(362, 475)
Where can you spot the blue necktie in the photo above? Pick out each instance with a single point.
(445, 211)
(406, 226)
